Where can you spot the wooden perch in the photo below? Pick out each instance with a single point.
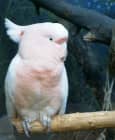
(98, 23)
(75, 121)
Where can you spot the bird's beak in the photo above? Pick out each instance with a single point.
(61, 40)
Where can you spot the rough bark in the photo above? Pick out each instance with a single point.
(75, 121)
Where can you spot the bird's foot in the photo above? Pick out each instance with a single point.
(45, 120)
(27, 126)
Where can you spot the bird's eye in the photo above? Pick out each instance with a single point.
(51, 38)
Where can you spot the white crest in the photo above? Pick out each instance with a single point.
(14, 31)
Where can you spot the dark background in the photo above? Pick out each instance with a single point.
(82, 91)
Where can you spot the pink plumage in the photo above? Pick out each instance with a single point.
(36, 83)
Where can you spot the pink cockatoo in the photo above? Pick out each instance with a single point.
(36, 84)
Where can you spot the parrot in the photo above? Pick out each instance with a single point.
(36, 82)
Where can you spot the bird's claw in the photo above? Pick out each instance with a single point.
(26, 127)
(45, 120)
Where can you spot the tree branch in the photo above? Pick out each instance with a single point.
(87, 60)
(75, 121)
(89, 19)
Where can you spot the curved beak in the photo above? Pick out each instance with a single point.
(61, 40)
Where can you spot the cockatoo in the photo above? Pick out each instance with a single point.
(36, 84)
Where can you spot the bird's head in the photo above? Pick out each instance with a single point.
(55, 32)
(31, 37)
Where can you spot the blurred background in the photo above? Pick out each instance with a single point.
(85, 86)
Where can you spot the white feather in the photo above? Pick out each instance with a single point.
(64, 86)
(13, 30)
(9, 86)
(9, 24)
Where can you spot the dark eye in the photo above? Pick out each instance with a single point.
(51, 38)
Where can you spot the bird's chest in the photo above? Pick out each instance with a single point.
(35, 87)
